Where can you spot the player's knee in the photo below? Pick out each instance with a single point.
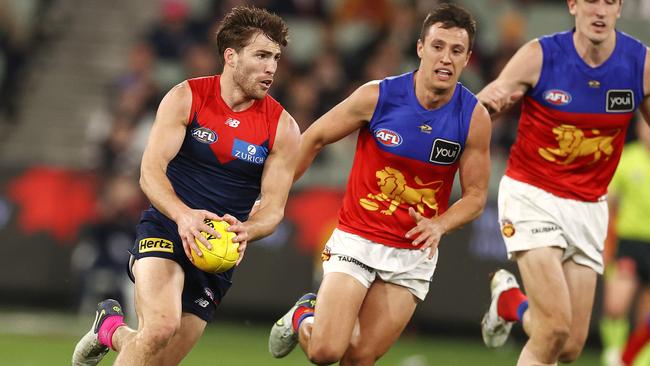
(324, 354)
(553, 336)
(557, 335)
(156, 336)
(570, 355)
(359, 356)
(571, 351)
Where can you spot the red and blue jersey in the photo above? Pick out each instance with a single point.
(219, 165)
(573, 122)
(406, 156)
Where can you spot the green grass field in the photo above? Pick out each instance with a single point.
(27, 340)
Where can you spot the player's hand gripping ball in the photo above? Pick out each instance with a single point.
(223, 255)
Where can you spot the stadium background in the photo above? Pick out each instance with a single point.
(79, 83)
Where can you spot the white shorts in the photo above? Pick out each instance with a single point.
(531, 218)
(364, 260)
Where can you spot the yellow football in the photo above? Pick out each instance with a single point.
(223, 255)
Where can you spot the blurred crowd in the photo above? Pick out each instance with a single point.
(335, 46)
(19, 33)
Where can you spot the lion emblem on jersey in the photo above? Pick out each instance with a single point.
(572, 144)
(394, 190)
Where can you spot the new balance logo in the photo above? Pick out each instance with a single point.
(202, 302)
(232, 122)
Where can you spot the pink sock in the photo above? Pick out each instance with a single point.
(107, 329)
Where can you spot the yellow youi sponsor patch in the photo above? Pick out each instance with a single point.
(155, 245)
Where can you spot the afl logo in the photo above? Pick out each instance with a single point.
(557, 97)
(388, 138)
(204, 135)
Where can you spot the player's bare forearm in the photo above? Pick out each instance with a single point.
(519, 74)
(474, 172)
(345, 118)
(276, 180)
(310, 146)
(427, 232)
(263, 222)
(466, 209)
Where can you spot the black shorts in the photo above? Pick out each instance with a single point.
(157, 236)
(639, 252)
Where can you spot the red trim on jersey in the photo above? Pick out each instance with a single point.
(571, 155)
(208, 90)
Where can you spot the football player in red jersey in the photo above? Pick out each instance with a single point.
(217, 143)
(416, 131)
(580, 88)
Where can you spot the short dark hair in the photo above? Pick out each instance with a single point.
(450, 15)
(237, 27)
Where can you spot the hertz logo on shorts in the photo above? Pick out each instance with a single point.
(155, 245)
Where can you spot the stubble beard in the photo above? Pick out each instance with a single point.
(247, 85)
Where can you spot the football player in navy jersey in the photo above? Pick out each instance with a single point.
(416, 131)
(580, 89)
(217, 144)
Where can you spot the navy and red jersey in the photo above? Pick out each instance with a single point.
(219, 165)
(406, 156)
(573, 122)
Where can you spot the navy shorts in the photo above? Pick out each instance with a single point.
(639, 252)
(157, 236)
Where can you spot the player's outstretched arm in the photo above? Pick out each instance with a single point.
(345, 118)
(276, 182)
(645, 103)
(474, 174)
(520, 74)
(165, 141)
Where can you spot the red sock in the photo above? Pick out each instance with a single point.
(509, 302)
(635, 343)
(300, 314)
(107, 329)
